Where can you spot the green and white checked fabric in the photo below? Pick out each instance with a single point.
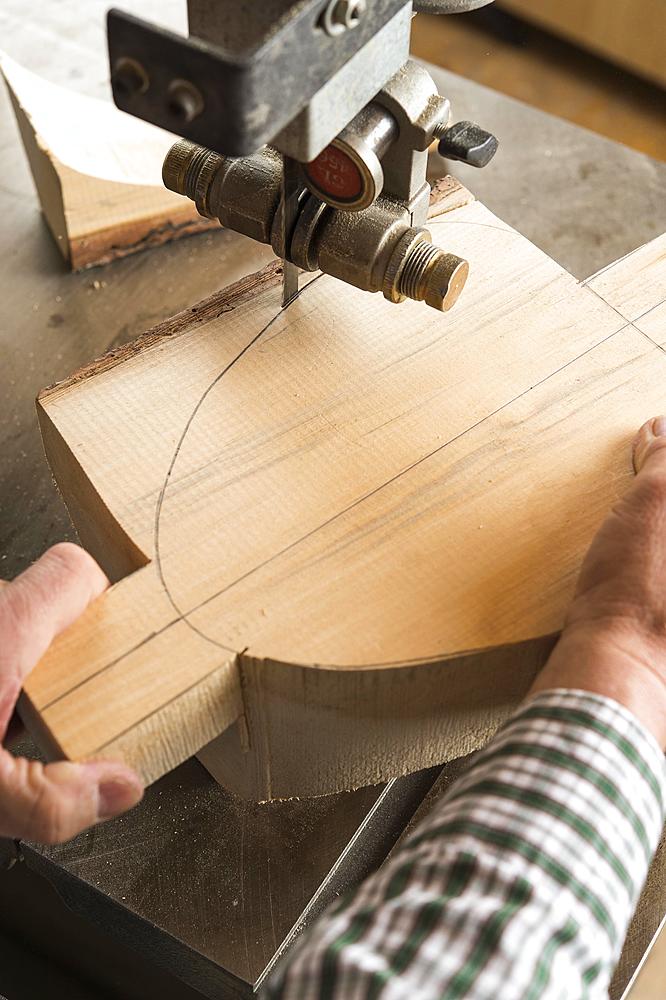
(522, 881)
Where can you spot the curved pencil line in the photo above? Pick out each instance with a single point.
(430, 657)
(183, 615)
(470, 222)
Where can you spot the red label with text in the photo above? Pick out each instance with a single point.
(336, 174)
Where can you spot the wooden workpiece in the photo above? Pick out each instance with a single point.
(345, 532)
(97, 172)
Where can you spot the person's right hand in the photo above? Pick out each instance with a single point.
(49, 804)
(614, 640)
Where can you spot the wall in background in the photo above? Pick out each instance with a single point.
(630, 32)
(514, 56)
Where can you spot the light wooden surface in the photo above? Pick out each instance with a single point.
(97, 172)
(630, 32)
(650, 981)
(352, 527)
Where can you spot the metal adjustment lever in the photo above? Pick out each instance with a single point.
(467, 142)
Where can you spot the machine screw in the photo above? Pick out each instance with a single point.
(420, 271)
(184, 101)
(342, 14)
(129, 77)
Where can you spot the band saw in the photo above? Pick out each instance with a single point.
(306, 126)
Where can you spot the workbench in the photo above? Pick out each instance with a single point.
(195, 893)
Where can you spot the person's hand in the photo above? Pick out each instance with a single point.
(51, 803)
(614, 640)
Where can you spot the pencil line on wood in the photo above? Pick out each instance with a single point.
(434, 657)
(182, 615)
(160, 500)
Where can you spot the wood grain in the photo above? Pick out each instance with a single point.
(353, 528)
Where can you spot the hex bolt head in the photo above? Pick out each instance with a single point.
(350, 12)
(340, 15)
(129, 77)
(184, 101)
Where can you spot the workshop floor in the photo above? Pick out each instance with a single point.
(506, 54)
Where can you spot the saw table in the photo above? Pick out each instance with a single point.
(196, 894)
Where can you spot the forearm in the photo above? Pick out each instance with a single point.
(613, 662)
(522, 881)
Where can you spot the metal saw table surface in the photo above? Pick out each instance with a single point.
(208, 887)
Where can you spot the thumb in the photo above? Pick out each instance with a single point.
(43, 601)
(649, 449)
(51, 803)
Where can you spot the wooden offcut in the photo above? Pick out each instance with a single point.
(97, 172)
(629, 32)
(344, 533)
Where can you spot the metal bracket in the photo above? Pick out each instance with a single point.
(235, 98)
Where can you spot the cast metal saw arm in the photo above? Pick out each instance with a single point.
(305, 126)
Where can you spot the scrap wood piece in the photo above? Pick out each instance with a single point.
(97, 172)
(346, 531)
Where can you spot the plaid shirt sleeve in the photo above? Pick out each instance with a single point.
(521, 882)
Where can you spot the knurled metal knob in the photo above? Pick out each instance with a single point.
(421, 271)
(190, 169)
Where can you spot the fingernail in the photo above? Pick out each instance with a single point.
(116, 796)
(659, 426)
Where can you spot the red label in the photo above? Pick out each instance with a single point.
(336, 174)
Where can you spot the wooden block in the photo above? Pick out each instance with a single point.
(349, 529)
(629, 32)
(97, 172)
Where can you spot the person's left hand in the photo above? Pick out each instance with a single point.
(51, 803)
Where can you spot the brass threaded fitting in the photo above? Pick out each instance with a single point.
(446, 280)
(415, 269)
(391, 287)
(420, 271)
